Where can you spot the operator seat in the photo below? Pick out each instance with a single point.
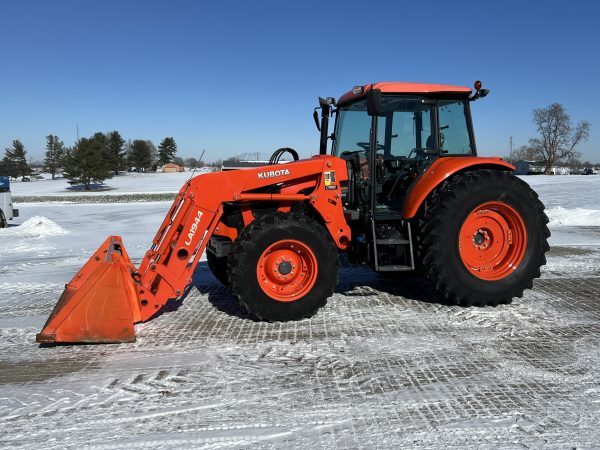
(430, 143)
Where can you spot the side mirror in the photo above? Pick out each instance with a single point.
(316, 118)
(374, 105)
(479, 93)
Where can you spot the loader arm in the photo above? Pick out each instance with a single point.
(85, 311)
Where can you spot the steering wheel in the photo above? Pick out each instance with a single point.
(365, 146)
(422, 153)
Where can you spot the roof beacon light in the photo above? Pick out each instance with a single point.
(479, 93)
(358, 90)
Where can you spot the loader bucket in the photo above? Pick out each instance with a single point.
(100, 304)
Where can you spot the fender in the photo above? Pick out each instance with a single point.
(441, 169)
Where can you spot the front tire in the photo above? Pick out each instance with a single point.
(283, 267)
(482, 238)
(218, 267)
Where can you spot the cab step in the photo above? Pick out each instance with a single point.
(394, 268)
(392, 242)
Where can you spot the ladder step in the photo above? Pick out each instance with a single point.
(392, 242)
(394, 268)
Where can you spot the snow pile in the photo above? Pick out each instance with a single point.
(37, 226)
(573, 217)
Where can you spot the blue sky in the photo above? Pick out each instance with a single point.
(237, 77)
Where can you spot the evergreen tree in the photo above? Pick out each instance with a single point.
(55, 151)
(101, 141)
(14, 163)
(116, 151)
(153, 154)
(86, 162)
(140, 155)
(166, 150)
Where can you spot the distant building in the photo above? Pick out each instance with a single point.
(172, 167)
(538, 167)
(522, 167)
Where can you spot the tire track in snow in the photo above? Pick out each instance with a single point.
(381, 366)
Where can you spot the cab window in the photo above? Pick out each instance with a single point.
(353, 129)
(411, 126)
(455, 138)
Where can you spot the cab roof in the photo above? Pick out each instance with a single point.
(402, 87)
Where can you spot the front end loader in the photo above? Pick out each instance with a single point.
(109, 294)
(402, 190)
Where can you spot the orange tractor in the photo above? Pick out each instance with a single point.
(402, 190)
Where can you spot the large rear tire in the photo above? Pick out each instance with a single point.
(283, 267)
(482, 238)
(3, 222)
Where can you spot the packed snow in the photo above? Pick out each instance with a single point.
(568, 191)
(153, 182)
(383, 365)
(36, 226)
(574, 217)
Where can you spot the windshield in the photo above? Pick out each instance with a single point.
(352, 128)
(407, 129)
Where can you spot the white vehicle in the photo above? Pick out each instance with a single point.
(7, 212)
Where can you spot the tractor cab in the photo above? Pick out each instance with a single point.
(389, 134)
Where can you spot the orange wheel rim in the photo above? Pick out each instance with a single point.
(492, 241)
(287, 270)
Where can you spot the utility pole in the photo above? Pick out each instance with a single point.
(511, 151)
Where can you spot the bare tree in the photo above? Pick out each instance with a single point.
(558, 138)
(525, 153)
(216, 166)
(192, 163)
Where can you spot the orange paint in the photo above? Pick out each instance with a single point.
(287, 270)
(99, 305)
(224, 230)
(493, 241)
(441, 169)
(404, 88)
(108, 295)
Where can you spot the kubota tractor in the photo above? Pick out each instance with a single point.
(403, 189)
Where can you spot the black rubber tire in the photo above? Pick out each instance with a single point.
(218, 267)
(3, 221)
(255, 239)
(439, 224)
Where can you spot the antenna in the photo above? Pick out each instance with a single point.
(194, 171)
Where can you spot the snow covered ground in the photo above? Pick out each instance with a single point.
(385, 364)
(124, 183)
